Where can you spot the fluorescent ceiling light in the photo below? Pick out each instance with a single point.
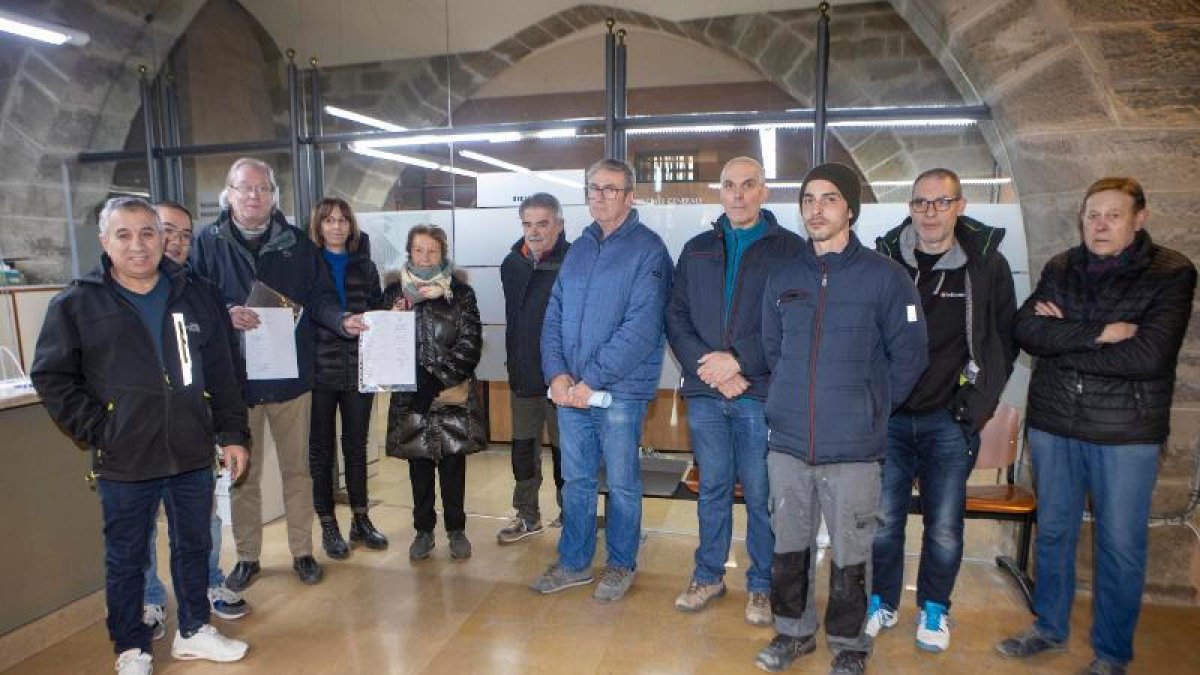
(363, 119)
(517, 168)
(901, 124)
(40, 30)
(964, 181)
(777, 185)
(415, 161)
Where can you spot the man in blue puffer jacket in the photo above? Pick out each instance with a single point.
(845, 339)
(603, 333)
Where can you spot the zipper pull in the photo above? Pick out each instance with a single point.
(824, 279)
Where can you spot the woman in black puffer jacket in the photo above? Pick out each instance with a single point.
(439, 424)
(346, 252)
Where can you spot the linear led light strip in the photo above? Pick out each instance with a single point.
(415, 161)
(41, 31)
(487, 159)
(795, 185)
(431, 139)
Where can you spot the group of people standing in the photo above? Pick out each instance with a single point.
(823, 377)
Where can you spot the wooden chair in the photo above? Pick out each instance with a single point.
(1006, 500)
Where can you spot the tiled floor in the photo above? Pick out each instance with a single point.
(380, 613)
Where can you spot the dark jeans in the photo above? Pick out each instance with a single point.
(452, 475)
(128, 510)
(933, 450)
(1120, 480)
(356, 419)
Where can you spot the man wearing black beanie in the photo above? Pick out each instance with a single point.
(845, 340)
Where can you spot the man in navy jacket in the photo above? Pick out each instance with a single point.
(252, 241)
(719, 349)
(845, 340)
(603, 334)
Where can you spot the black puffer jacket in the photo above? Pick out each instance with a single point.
(449, 341)
(527, 288)
(96, 371)
(337, 356)
(1115, 394)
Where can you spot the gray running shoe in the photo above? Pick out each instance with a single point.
(518, 529)
(558, 578)
(614, 584)
(421, 547)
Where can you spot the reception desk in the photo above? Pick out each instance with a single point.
(49, 516)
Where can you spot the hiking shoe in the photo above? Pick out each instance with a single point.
(307, 569)
(460, 546)
(783, 651)
(558, 578)
(363, 531)
(879, 616)
(206, 643)
(849, 663)
(519, 528)
(242, 575)
(134, 662)
(156, 618)
(1102, 667)
(758, 609)
(227, 604)
(1029, 643)
(933, 628)
(698, 595)
(421, 546)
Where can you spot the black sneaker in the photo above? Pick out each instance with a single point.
(460, 546)
(242, 575)
(307, 569)
(783, 651)
(422, 545)
(849, 663)
(1027, 644)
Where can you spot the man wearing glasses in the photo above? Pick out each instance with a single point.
(252, 241)
(603, 333)
(966, 290)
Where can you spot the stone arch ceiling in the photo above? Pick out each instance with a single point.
(872, 65)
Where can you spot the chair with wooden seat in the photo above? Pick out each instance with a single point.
(1007, 501)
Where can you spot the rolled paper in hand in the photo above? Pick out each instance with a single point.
(598, 399)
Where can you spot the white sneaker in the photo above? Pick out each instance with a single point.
(879, 617)
(933, 628)
(155, 617)
(208, 644)
(134, 662)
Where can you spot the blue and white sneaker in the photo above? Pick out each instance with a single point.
(933, 628)
(227, 604)
(880, 616)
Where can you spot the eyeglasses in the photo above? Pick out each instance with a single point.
(248, 190)
(941, 204)
(606, 191)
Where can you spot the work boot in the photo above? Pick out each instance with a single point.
(331, 539)
(362, 531)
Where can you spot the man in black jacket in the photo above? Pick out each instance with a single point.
(966, 290)
(719, 348)
(1106, 323)
(134, 362)
(528, 274)
(252, 242)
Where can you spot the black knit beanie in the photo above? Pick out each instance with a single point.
(844, 178)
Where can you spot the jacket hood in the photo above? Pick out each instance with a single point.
(972, 240)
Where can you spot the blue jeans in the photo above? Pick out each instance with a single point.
(1120, 479)
(128, 510)
(155, 593)
(729, 439)
(933, 450)
(588, 437)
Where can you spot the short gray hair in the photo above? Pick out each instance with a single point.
(543, 200)
(242, 163)
(758, 167)
(126, 204)
(610, 164)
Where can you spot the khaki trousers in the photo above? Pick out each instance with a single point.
(289, 422)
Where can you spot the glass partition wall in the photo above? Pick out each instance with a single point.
(453, 110)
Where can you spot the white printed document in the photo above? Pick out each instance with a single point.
(271, 348)
(387, 352)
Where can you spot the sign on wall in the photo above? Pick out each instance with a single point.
(505, 188)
